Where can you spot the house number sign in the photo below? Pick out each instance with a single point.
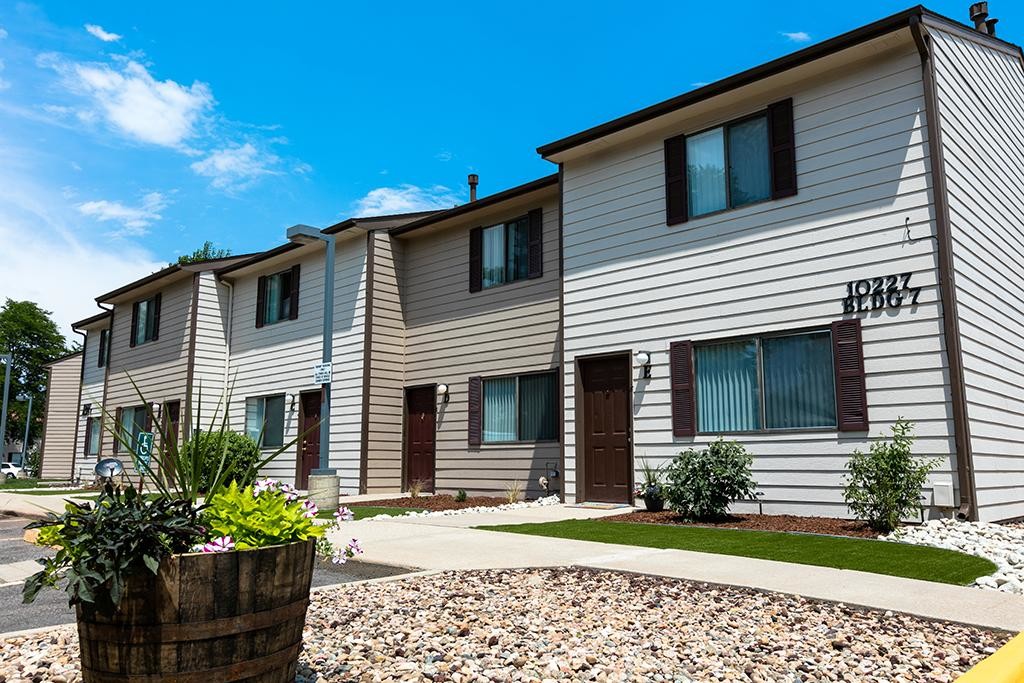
(888, 291)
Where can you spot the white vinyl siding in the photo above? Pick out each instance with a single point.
(634, 284)
(208, 371)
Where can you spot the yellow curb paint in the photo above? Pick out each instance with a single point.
(1005, 665)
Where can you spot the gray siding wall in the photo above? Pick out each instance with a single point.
(632, 283)
(58, 451)
(279, 358)
(452, 335)
(981, 107)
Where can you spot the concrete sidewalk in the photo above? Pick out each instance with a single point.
(443, 543)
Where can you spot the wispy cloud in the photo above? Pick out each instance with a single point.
(4, 83)
(698, 84)
(3, 33)
(405, 198)
(105, 36)
(444, 155)
(796, 36)
(236, 168)
(134, 220)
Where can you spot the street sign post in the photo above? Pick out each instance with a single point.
(144, 454)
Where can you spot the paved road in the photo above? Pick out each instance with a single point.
(51, 607)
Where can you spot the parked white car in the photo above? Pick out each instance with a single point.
(10, 471)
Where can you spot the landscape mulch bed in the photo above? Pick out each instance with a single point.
(811, 525)
(438, 502)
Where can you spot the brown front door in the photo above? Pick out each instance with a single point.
(309, 444)
(419, 436)
(607, 448)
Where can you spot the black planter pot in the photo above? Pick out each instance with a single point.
(654, 503)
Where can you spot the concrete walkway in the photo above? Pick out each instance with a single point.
(443, 543)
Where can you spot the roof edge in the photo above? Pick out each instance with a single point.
(71, 354)
(85, 322)
(352, 222)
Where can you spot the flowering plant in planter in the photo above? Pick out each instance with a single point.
(650, 488)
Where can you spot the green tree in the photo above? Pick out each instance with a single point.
(204, 253)
(33, 339)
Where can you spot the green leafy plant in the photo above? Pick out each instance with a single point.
(260, 516)
(650, 481)
(241, 456)
(701, 484)
(884, 485)
(99, 546)
(461, 496)
(514, 491)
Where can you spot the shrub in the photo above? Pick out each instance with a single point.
(884, 485)
(260, 516)
(416, 488)
(240, 452)
(461, 496)
(701, 484)
(514, 491)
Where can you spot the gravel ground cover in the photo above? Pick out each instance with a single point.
(583, 625)
(811, 525)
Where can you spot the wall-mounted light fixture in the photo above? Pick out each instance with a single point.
(643, 359)
(86, 409)
(442, 393)
(156, 409)
(291, 403)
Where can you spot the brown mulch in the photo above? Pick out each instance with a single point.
(810, 525)
(443, 501)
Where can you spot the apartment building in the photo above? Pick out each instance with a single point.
(56, 450)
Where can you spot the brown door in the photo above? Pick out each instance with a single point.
(309, 444)
(419, 436)
(607, 451)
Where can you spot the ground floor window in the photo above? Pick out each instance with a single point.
(784, 381)
(133, 422)
(264, 420)
(520, 408)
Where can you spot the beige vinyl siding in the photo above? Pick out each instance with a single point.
(981, 108)
(93, 378)
(210, 351)
(279, 358)
(387, 370)
(452, 335)
(632, 283)
(58, 448)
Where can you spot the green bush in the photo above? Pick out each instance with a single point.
(240, 453)
(259, 517)
(884, 485)
(461, 496)
(700, 485)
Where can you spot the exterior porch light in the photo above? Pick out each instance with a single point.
(643, 359)
(86, 409)
(442, 393)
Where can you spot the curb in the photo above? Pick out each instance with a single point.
(1005, 666)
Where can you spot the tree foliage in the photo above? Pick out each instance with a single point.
(203, 253)
(33, 339)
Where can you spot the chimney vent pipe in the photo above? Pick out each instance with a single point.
(474, 180)
(979, 15)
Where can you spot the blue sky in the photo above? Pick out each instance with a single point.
(132, 132)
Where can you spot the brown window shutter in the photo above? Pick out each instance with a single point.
(475, 409)
(676, 209)
(148, 425)
(117, 430)
(476, 259)
(536, 243)
(156, 316)
(783, 148)
(261, 300)
(135, 324)
(102, 349)
(684, 413)
(88, 434)
(293, 311)
(851, 388)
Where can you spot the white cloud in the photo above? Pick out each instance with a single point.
(236, 168)
(797, 36)
(3, 33)
(405, 198)
(133, 219)
(444, 155)
(134, 103)
(698, 84)
(105, 36)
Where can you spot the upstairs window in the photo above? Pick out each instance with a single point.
(93, 431)
(103, 355)
(145, 320)
(506, 252)
(277, 297)
(264, 420)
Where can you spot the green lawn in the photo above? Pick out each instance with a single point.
(21, 483)
(879, 557)
(66, 493)
(362, 512)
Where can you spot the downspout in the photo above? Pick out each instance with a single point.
(106, 376)
(78, 409)
(968, 508)
(227, 349)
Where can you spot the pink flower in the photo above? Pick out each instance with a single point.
(353, 548)
(219, 545)
(289, 491)
(339, 557)
(310, 509)
(343, 514)
(262, 485)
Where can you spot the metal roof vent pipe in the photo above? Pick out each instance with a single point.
(979, 15)
(474, 180)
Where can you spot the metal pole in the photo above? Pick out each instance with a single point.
(328, 341)
(8, 362)
(24, 442)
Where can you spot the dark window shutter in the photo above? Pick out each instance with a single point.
(293, 311)
(117, 430)
(851, 389)
(156, 317)
(88, 435)
(135, 324)
(783, 148)
(475, 410)
(476, 259)
(102, 349)
(148, 424)
(676, 209)
(536, 243)
(261, 300)
(684, 413)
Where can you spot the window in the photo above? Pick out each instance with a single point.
(131, 423)
(93, 431)
(103, 355)
(145, 320)
(277, 297)
(264, 417)
(728, 166)
(505, 253)
(523, 408)
(771, 382)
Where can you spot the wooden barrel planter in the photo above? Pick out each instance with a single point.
(205, 617)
